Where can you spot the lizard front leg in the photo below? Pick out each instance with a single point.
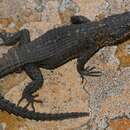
(9, 39)
(37, 80)
(86, 71)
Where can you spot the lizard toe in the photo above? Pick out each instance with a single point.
(89, 71)
(30, 100)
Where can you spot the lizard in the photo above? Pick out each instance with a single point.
(80, 40)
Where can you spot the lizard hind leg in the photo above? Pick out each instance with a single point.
(37, 80)
(9, 39)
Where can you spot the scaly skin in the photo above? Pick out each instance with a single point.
(11, 108)
(80, 40)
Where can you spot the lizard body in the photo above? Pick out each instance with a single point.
(79, 40)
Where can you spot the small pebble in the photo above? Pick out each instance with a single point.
(12, 25)
(39, 8)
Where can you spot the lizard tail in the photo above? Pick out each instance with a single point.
(8, 63)
(11, 108)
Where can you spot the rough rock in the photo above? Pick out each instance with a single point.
(107, 98)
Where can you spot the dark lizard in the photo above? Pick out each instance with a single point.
(79, 40)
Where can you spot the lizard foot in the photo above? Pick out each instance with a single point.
(89, 71)
(30, 99)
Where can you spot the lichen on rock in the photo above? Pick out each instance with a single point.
(105, 97)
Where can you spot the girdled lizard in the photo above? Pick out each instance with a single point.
(79, 40)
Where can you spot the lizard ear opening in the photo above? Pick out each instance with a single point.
(79, 20)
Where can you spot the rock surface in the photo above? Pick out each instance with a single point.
(107, 98)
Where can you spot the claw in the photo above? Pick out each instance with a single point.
(89, 71)
(27, 105)
(33, 108)
(20, 100)
(82, 79)
(38, 101)
(30, 99)
(95, 73)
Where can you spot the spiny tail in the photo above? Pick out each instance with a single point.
(8, 63)
(11, 108)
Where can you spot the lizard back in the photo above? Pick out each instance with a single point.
(66, 42)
